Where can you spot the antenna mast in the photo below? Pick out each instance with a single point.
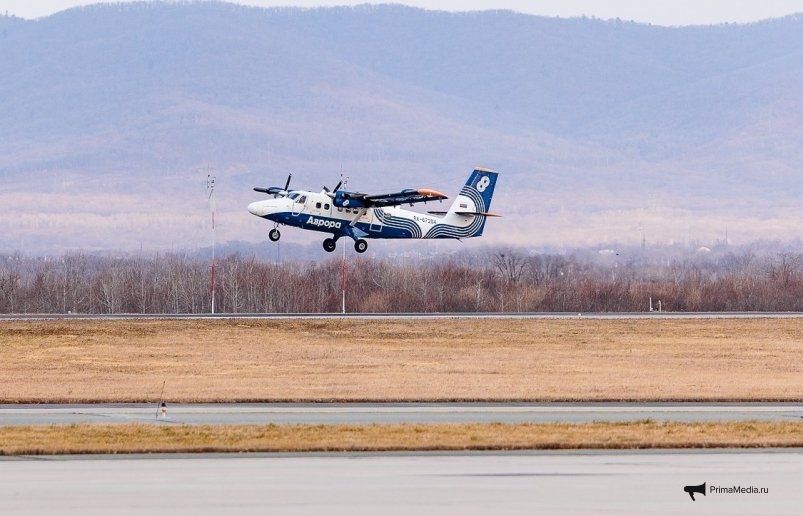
(343, 182)
(210, 187)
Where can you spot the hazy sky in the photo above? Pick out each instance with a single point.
(659, 12)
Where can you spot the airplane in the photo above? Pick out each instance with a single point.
(361, 216)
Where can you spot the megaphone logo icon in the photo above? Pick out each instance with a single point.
(695, 489)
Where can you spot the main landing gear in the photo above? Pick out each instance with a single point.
(330, 244)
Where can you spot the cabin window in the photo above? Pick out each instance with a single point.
(318, 205)
(325, 206)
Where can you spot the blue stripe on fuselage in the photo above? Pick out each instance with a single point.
(384, 231)
(339, 227)
(401, 228)
(311, 222)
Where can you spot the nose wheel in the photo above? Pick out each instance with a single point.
(274, 235)
(360, 245)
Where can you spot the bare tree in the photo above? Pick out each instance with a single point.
(10, 279)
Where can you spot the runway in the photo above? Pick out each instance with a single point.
(422, 484)
(379, 413)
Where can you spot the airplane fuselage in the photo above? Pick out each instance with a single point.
(316, 212)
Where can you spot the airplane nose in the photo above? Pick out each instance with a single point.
(269, 207)
(257, 208)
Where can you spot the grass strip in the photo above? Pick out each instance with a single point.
(78, 361)
(155, 438)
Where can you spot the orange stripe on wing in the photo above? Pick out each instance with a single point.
(431, 193)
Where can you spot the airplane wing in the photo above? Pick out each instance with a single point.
(274, 190)
(408, 196)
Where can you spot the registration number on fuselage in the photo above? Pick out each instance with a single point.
(425, 220)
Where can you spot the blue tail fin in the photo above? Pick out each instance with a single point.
(483, 181)
(475, 199)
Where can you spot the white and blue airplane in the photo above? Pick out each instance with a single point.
(361, 216)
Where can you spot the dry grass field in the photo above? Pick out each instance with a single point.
(146, 438)
(443, 359)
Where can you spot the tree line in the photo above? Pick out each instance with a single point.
(498, 280)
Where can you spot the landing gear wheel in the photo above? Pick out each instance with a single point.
(274, 235)
(329, 245)
(360, 245)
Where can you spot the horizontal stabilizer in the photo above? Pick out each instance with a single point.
(478, 213)
(475, 213)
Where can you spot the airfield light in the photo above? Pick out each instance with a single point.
(162, 408)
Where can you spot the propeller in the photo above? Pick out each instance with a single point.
(329, 192)
(275, 190)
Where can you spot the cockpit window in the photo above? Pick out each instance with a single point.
(293, 195)
(302, 199)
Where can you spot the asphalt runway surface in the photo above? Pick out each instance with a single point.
(419, 483)
(368, 413)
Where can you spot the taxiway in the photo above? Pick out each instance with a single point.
(394, 413)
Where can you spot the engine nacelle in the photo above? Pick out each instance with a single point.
(348, 200)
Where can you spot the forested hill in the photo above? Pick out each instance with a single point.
(604, 131)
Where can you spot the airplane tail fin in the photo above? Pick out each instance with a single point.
(475, 198)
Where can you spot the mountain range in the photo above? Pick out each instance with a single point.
(603, 131)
